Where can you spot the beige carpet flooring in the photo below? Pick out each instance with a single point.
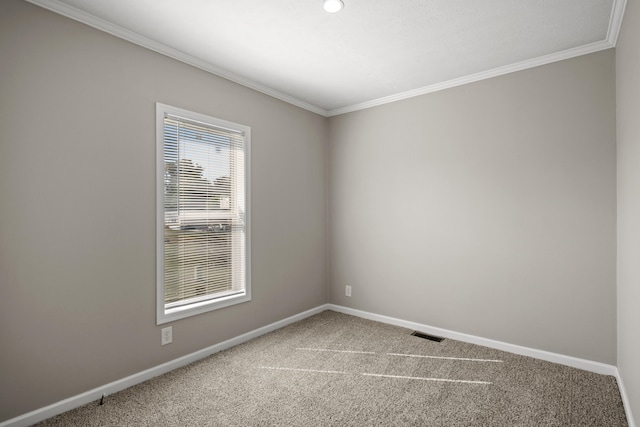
(334, 369)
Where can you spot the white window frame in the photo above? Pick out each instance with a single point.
(167, 313)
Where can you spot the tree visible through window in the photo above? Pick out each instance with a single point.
(203, 225)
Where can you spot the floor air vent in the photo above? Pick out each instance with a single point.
(427, 336)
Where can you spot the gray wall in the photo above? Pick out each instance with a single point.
(628, 127)
(77, 207)
(487, 209)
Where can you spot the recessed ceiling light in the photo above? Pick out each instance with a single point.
(333, 6)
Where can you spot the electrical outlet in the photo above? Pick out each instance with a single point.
(167, 335)
(347, 290)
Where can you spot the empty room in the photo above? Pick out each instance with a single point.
(311, 213)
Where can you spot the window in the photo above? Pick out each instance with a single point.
(202, 213)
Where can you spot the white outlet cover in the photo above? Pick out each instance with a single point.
(167, 335)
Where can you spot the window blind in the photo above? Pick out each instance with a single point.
(204, 211)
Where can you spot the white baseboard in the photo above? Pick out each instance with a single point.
(587, 365)
(625, 400)
(95, 394)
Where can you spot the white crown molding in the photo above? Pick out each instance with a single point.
(495, 72)
(133, 37)
(615, 23)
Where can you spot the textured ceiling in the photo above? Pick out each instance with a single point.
(371, 52)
